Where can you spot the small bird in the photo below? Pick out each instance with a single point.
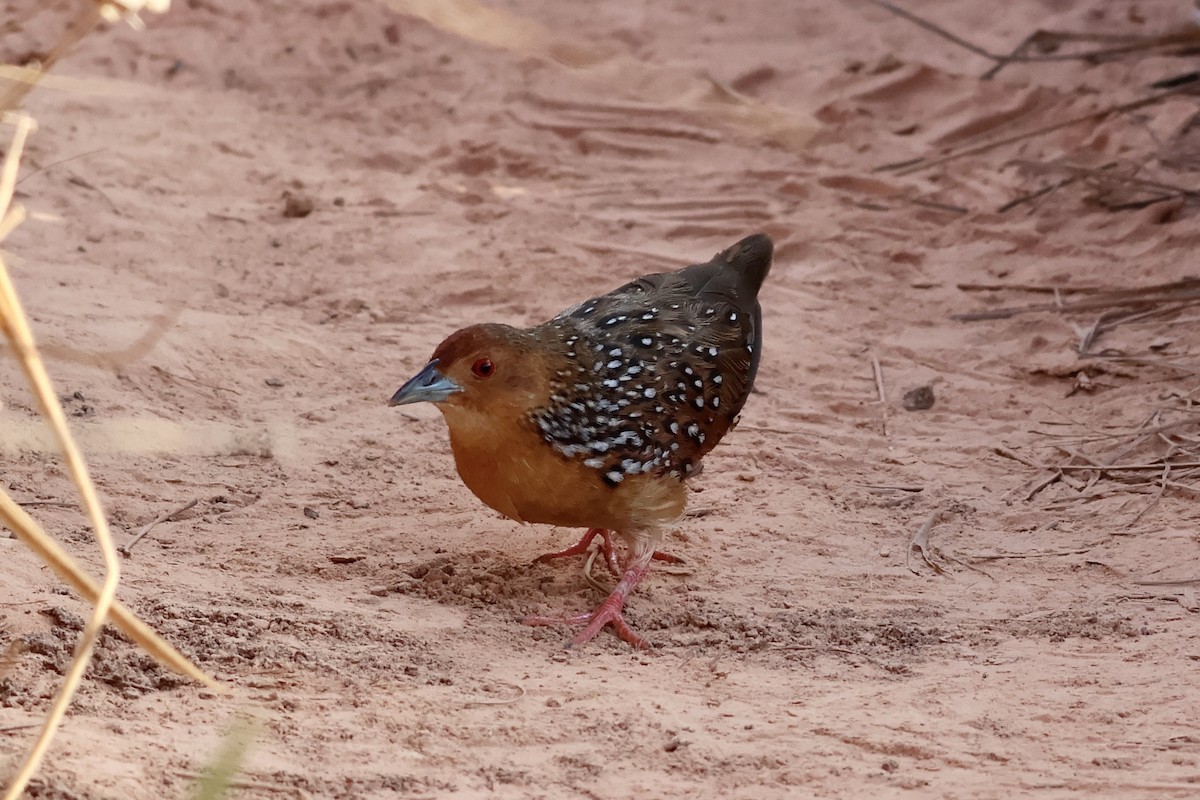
(596, 418)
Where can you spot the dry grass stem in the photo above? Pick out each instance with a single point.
(1150, 299)
(1071, 551)
(82, 26)
(15, 326)
(877, 370)
(916, 165)
(49, 551)
(163, 517)
(920, 542)
(1117, 45)
(1157, 456)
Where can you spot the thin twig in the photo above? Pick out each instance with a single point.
(921, 22)
(949, 208)
(61, 161)
(878, 378)
(917, 165)
(1045, 190)
(1015, 456)
(1162, 487)
(920, 542)
(1026, 287)
(1126, 467)
(1015, 54)
(1184, 292)
(82, 25)
(1042, 484)
(968, 565)
(183, 379)
(1103, 175)
(163, 517)
(1129, 44)
(15, 325)
(1182, 487)
(878, 370)
(1036, 554)
(587, 571)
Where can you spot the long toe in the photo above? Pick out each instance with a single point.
(609, 616)
(579, 547)
(609, 613)
(583, 546)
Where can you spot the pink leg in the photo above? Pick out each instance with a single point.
(581, 547)
(608, 612)
(606, 548)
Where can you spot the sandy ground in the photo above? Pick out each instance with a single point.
(357, 598)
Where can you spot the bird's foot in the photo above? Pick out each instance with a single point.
(608, 612)
(606, 549)
(581, 547)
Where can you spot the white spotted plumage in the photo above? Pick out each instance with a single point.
(668, 361)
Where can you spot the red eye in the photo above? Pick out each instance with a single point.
(483, 368)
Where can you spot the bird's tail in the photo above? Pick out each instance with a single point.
(751, 258)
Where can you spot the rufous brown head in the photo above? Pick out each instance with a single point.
(478, 367)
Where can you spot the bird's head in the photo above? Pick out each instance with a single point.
(482, 368)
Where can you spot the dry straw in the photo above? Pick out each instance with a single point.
(15, 327)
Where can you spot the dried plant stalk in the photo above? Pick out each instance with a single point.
(29, 532)
(15, 326)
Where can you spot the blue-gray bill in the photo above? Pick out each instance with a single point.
(427, 386)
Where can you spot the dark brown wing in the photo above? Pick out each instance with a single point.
(657, 370)
(730, 282)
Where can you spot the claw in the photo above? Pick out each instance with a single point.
(606, 548)
(581, 547)
(608, 612)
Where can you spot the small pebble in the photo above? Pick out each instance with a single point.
(918, 399)
(297, 206)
